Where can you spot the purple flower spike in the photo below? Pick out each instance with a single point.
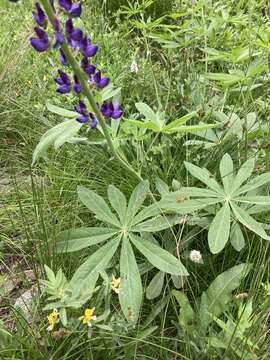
(39, 16)
(110, 111)
(83, 111)
(63, 58)
(77, 86)
(87, 49)
(74, 10)
(88, 68)
(64, 83)
(41, 43)
(100, 82)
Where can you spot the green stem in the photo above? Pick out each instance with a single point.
(86, 90)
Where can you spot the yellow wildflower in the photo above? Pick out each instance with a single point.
(88, 316)
(53, 318)
(115, 284)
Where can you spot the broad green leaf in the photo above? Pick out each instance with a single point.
(60, 111)
(149, 211)
(162, 187)
(237, 237)
(257, 182)
(243, 174)
(108, 93)
(130, 294)
(144, 125)
(77, 239)
(70, 127)
(225, 79)
(226, 172)
(136, 200)
(146, 111)
(94, 264)
(156, 224)
(244, 218)
(118, 201)
(97, 205)
(154, 289)
(256, 200)
(159, 257)
(182, 206)
(179, 121)
(191, 129)
(187, 315)
(68, 134)
(204, 176)
(218, 295)
(196, 192)
(219, 230)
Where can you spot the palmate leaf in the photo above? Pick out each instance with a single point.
(97, 205)
(219, 231)
(257, 182)
(80, 238)
(130, 294)
(218, 295)
(158, 257)
(182, 206)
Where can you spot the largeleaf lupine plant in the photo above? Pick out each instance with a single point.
(233, 202)
(126, 226)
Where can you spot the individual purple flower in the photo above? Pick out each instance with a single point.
(59, 37)
(110, 110)
(88, 68)
(41, 43)
(74, 10)
(100, 81)
(81, 108)
(74, 36)
(64, 83)
(87, 49)
(77, 86)
(39, 16)
(63, 58)
(94, 121)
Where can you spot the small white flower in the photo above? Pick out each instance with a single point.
(134, 67)
(195, 256)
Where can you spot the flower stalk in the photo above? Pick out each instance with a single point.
(87, 92)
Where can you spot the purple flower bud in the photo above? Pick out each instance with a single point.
(77, 86)
(74, 36)
(88, 68)
(117, 113)
(41, 43)
(63, 58)
(93, 123)
(60, 39)
(39, 16)
(81, 108)
(64, 83)
(87, 49)
(100, 82)
(110, 111)
(74, 10)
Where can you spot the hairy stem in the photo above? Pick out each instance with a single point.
(87, 92)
